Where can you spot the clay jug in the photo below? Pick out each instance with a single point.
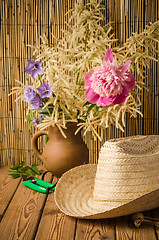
(61, 154)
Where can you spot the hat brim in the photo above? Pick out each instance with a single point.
(74, 197)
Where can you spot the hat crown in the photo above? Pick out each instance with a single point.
(126, 168)
(132, 145)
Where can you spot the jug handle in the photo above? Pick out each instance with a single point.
(34, 142)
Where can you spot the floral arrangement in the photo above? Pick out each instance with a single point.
(76, 85)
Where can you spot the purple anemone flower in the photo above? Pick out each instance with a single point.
(34, 68)
(109, 84)
(35, 121)
(45, 90)
(29, 94)
(36, 102)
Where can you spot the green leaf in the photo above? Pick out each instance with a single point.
(97, 110)
(29, 172)
(30, 125)
(90, 108)
(23, 163)
(14, 171)
(26, 174)
(16, 166)
(46, 138)
(43, 111)
(15, 175)
(87, 103)
(34, 165)
(77, 70)
(27, 117)
(35, 170)
(25, 168)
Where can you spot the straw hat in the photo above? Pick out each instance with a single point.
(125, 181)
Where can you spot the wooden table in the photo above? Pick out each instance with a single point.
(26, 214)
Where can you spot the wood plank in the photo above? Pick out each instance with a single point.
(8, 187)
(125, 229)
(95, 229)
(22, 216)
(54, 224)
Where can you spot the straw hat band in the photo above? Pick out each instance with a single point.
(111, 153)
(127, 167)
(129, 181)
(125, 174)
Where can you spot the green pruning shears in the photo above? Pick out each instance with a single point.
(38, 184)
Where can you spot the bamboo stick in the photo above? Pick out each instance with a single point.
(22, 23)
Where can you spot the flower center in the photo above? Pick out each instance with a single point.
(35, 67)
(35, 100)
(45, 90)
(30, 92)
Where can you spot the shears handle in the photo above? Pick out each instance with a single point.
(40, 185)
(44, 184)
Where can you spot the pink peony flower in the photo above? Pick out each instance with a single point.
(109, 84)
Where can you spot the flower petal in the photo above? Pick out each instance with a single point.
(87, 78)
(31, 62)
(103, 101)
(131, 83)
(34, 73)
(91, 96)
(36, 102)
(30, 66)
(40, 71)
(125, 66)
(119, 99)
(125, 91)
(109, 55)
(28, 69)
(38, 63)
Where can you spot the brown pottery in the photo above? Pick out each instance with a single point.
(61, 154)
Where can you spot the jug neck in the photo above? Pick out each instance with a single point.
(56, 135)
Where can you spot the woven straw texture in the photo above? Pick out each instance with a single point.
(22, 24)
(124, 181)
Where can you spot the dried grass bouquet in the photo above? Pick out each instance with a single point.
(84, 78)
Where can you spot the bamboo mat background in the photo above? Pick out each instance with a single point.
(22, 23)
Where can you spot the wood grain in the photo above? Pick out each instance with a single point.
(22, 216)
(95, 229)
(8, 187)
(32, 215)
(125, 230)
(54, 224)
